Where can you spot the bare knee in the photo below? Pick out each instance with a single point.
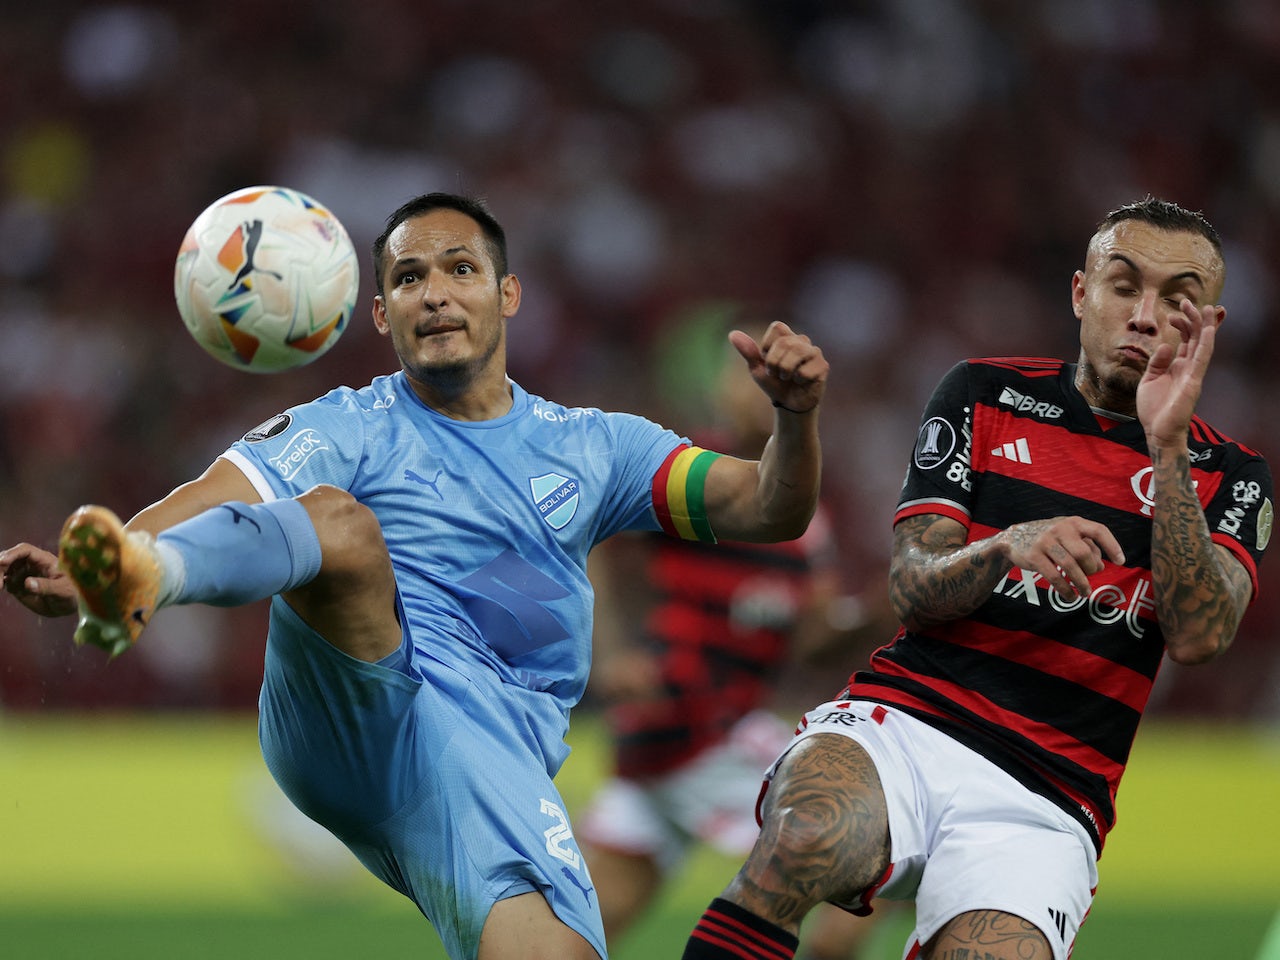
(349, 533)
(826, 825)
(351, 603)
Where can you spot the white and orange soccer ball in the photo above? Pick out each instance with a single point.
(266, 279)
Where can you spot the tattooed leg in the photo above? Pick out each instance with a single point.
(988, 935)
(825, 834)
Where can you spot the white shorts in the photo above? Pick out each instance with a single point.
(964, 834)
(711, 799)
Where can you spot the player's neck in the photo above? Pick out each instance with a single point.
(485, 399)
(1104, 398)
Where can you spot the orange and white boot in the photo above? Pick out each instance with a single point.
(117, 576)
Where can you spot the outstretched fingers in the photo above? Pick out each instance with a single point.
(1200, 336)
(1170, 387)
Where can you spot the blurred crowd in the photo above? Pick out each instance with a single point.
(912, 180)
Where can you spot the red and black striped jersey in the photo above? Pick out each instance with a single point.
(721, 628)
(1051, 689)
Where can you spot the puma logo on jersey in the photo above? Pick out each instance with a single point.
(573, 878)
(433, 483)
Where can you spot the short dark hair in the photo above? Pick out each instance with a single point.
(1165, 215)
(495, 237)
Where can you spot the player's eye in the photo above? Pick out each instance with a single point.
(464, 269)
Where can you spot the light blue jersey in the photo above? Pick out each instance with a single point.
(488, 523)
(437, 773)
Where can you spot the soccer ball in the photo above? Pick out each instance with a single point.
(266, 279)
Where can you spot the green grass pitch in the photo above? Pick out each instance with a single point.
(141, 838)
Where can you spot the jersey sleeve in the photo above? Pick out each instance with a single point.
(640, 449)
(317, 442)
(1241, 513)
(938, 477)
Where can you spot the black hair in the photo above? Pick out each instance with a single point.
(495, 237)
(1165, 215)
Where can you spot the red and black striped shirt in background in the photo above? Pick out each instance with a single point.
(721, 628)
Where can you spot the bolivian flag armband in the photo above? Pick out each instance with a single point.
(677, 493)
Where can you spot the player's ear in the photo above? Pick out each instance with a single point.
(510, 287)
(380, 315)
(1077, 294)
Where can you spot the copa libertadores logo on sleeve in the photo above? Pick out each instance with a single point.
(556, 498)
(269, 428)
(1266, 515)
(936, 441)
(1246, 495)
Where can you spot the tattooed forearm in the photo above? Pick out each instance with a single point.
(934, 577)
(1200, 595)
(825, 834)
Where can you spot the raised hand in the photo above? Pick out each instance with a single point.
(1170, 389)
(786, 365)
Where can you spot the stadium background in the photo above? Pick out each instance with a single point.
(914, 178)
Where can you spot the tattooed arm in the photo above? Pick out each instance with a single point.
(935, 576)
(1201, 590)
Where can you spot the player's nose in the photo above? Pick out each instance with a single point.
(435, 289)
(1146, 317)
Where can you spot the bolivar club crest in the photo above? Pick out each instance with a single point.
(556, 498)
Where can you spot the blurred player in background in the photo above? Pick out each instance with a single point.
(424, 540)
(1062, 528)
(691, 677)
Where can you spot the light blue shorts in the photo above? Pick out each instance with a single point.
(428, 776)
